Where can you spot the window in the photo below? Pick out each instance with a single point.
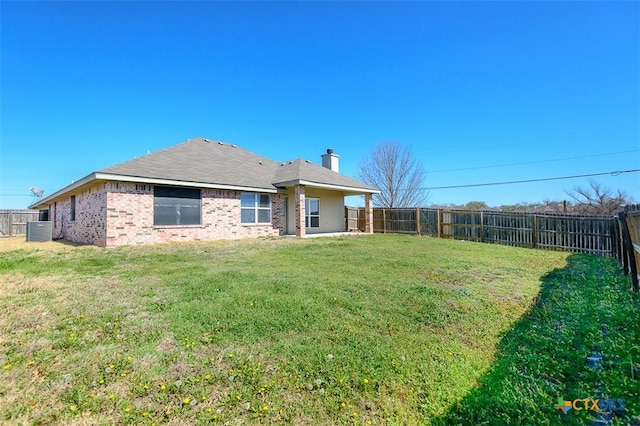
(312, 212)
(176, 206)
(255, 208)
(73, 208)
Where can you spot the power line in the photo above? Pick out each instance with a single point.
(532, 162)
(613, 173)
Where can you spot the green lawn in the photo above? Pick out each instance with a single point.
(383, 329)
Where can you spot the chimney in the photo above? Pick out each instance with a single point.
(330, 161)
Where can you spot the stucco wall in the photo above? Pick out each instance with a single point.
(332, 217)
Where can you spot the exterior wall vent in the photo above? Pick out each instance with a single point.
(39, 231)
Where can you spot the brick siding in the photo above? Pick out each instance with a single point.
(113, 214)
(301, 229)
(90, 224)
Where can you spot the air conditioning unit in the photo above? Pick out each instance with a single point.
(39, 231)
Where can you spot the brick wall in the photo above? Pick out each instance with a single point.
(113, 214)
(129, 217)
(90, 222)
(278, 213)
(299, 201)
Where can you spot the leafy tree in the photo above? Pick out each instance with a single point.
(518, 207)
(476, 205)
(392, 168)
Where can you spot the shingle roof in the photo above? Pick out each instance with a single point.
(203, 161)
(302, 170)
(212, 163)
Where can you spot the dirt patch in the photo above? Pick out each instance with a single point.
(167, 345)
(20, 284)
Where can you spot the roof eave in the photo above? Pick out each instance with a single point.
(73, 186)
(100, 176)
(173, 182)
(343, 188)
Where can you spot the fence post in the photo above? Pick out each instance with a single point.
(623, 247)
(438, 222)
(613, 227)
(11, 223)
(384, 221)
(629, 250)
(534, 231)
(346, 218)
(418, 220)
(619, 240)
(481, 227)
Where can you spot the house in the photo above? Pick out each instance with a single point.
(203, 190)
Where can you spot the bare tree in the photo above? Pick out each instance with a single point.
(392, 168)
(597, 199)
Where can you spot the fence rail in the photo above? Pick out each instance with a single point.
(587, 234)
(14, 222)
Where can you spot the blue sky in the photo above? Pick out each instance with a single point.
(466, 85)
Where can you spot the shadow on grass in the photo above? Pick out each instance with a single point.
(581, 309)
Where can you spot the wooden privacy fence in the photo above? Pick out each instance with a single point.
(586, 234)
(629, 232)
(14, 222)
(354, 218)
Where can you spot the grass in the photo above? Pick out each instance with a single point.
(384, 329)
(581, 310)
